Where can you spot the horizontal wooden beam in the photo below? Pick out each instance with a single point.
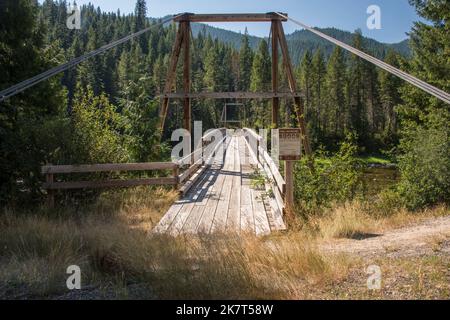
(109, 183)
(272, 170)
(192, 180)
(231, 17)
(89, 168)
(230, 95)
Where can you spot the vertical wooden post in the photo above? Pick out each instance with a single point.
(185, 25)
(301, 120)
(175, 173)
(171, 76)
(50, 192)
(203, 150)
(275, 101)
(257, 150)
(293, 86)
(289, 179)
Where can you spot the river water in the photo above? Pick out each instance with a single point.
(378, 178)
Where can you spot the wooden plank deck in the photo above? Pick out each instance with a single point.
(222, 200)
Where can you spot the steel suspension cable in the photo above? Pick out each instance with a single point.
(438, 93)
(22, 86)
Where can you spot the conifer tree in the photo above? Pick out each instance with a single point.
(245, 63)
(335, 100)
(357, 114)
(261, 82)
(390, 98)
(140, 22)
(304, 73)
(23, 54)
(318, 68)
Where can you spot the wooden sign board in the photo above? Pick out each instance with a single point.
(290, 144)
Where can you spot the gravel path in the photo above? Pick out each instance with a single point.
(415, 240)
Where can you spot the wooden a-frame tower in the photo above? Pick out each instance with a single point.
(182, 43)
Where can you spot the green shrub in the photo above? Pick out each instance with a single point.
(425, 165)
(337, 179)
(93, 134)
(98, 130)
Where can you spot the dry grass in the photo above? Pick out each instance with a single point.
(347, 221)
(355, 220)
(111, 243)
(36, 247)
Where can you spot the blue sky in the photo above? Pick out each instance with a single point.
(397, 16)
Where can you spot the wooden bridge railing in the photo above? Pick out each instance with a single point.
(265, 162)
(51, 170)
(199, 159)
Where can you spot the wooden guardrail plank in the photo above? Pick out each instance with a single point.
(198, 164)
(189, 172)
(90, 168)
(109, 183)
(193, 179)
(278, 198)
(251, 151)
(273, 170)
(266, 163)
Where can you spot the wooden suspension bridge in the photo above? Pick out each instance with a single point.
(217, 195)
(222, 199)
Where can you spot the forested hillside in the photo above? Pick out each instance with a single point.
(301, 41)
(226, 36)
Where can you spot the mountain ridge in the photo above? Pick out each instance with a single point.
(302, 40)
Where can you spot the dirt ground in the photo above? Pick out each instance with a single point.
(426, 238)
(414, 263)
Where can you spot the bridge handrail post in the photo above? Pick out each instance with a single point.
(289, 179)
(203, 150)
(175, 173)
(49, 179)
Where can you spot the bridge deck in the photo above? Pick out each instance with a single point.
(223, 200)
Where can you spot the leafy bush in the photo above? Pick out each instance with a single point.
(98, 131)
(322, 182)
(93, 134)
(425, 164)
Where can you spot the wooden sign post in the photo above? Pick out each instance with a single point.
(290, 152)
